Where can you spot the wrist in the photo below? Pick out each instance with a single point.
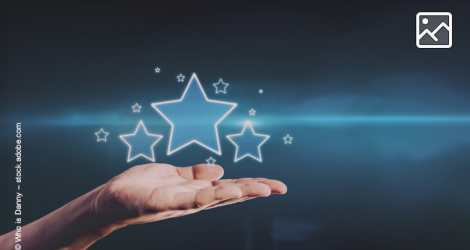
(75, 225)
(81, 225)
(100, 209)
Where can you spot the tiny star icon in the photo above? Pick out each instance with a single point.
(136, 108)
(223, 89)
(288, 139)
(101, 135)
(210, 161)
(252, 112)
(260, 91)
(157, 70)
(180, 78)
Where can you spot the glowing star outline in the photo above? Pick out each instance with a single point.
(141, 123)
(252, 112)
(218, 151)
(180, 78)
(157, 70)
(261, 91)
(101, 132)
(217, 88)
(136, 108)
(248, 123)
(210, 161)
(288, 139)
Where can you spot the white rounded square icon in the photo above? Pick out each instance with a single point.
(434, 30)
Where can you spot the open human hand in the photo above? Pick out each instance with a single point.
(142, 194)
(154, 192)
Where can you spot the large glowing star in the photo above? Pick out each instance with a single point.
(141, 143)
(248, 143)
(194, 118)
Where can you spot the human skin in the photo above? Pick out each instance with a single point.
(142, 194)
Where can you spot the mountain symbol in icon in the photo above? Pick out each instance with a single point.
(433, 33)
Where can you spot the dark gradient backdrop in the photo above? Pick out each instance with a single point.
(380, 157)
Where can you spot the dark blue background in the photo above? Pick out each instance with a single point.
(380, 157)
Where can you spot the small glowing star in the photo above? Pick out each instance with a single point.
(141, 143)
(101, 135)
(288, 139)
(249, 148)
(180, 78)
(210, 161)
(222, 89)
(136, 108)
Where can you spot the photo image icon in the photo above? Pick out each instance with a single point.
(434, 30)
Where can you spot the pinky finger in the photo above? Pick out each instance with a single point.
(230, 202)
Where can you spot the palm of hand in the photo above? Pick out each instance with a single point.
(153, 192)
